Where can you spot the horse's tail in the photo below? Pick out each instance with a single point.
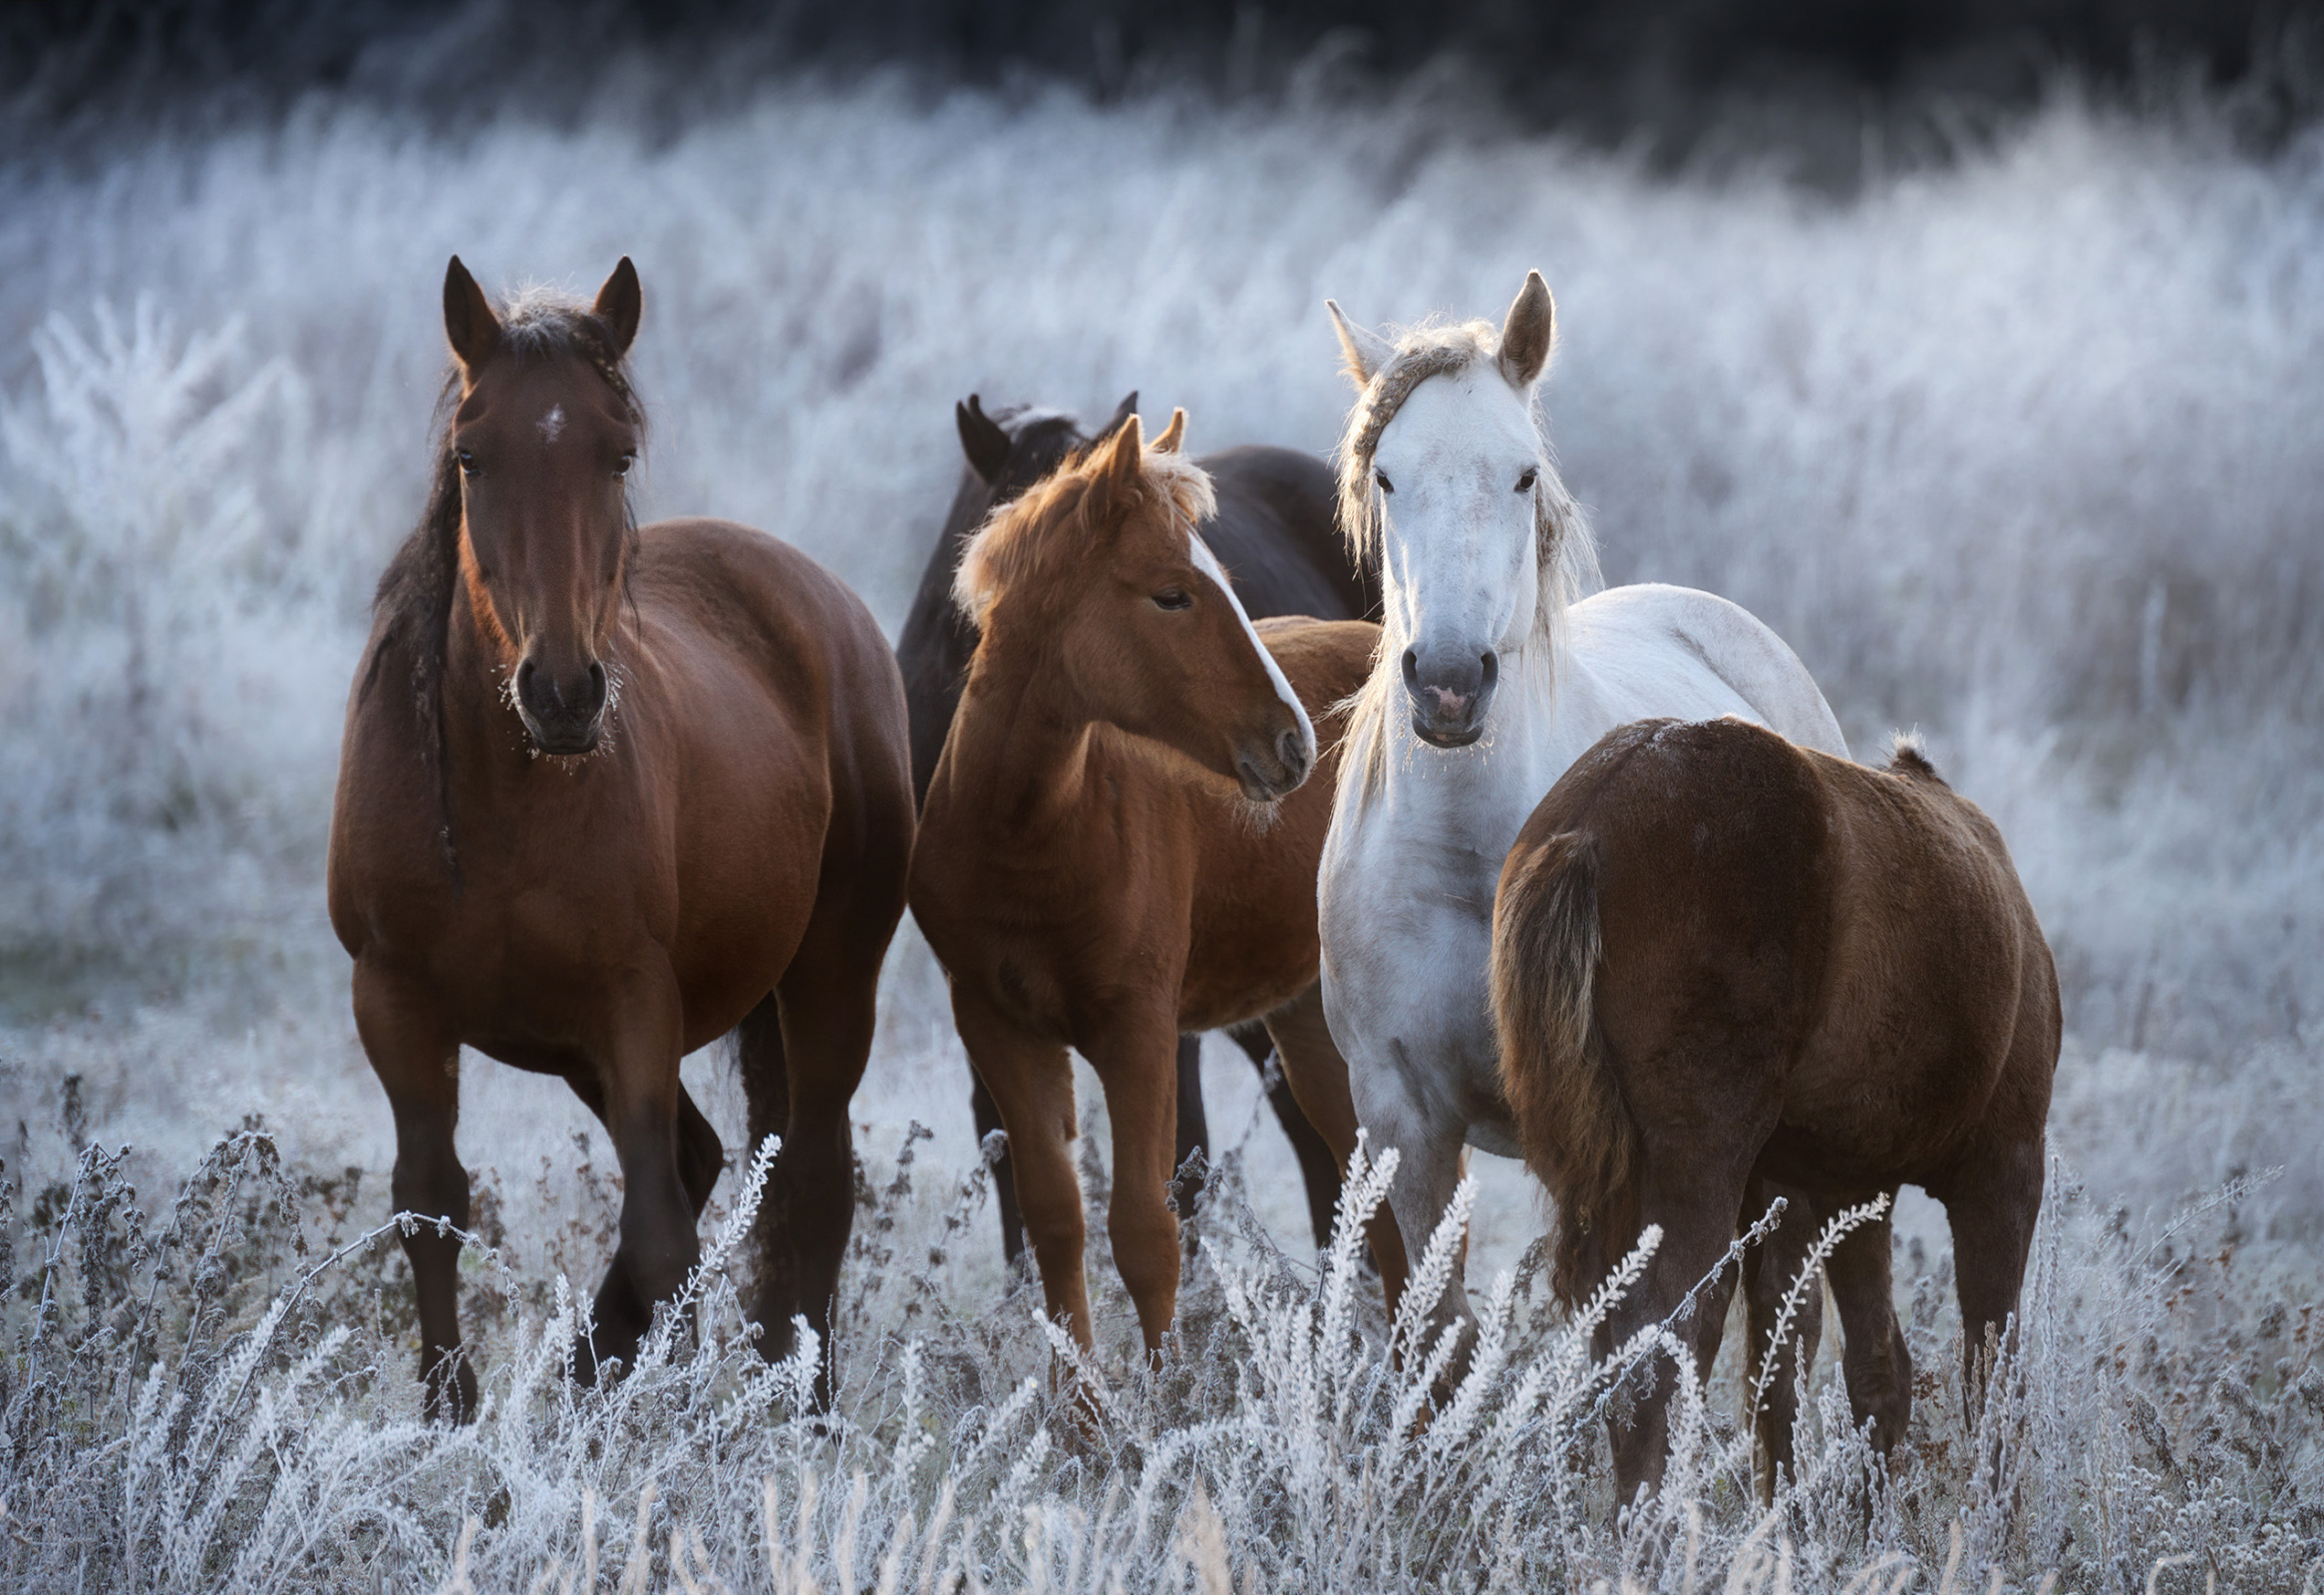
(1577, 1134)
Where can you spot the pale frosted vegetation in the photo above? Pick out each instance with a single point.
(2027, 451)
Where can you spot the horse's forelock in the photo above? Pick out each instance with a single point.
(1028, 535)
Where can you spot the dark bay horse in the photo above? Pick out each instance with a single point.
(606, 793)
(1726, 968)
(1108, 856)
(1274, 531)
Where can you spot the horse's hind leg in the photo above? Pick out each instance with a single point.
(1875, 1360)
(1770, 1271)
(701, 1155)
(419, 1065)
(1319, 1166)
(987, 1114)
(1991, 1201)
(1691, 1186)
(1193, 1122)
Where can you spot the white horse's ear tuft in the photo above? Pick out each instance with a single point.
(1526, 336)
(1364, 352)
(1174, 435)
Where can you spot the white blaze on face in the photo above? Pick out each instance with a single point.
(553, 424)
(1207, 562)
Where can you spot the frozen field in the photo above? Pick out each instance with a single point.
(2027, 452)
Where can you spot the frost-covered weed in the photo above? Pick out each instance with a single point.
(215, 1399)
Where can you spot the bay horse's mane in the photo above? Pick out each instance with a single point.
(411, 608)
(1046, 529)
(1564, 551)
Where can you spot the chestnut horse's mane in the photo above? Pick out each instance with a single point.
(411, 608)
(1019, 540)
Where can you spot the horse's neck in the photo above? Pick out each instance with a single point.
(1018, 762)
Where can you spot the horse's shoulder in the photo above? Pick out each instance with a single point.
(727, 572)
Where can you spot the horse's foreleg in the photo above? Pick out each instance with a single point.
(1320, 1160)
(1135, 1058)
(1428, 1170)
(1316, 1076)
(1770, 1271)
(1032, 1082)
(638, 1078)
(830, 1003)
(419, 1065)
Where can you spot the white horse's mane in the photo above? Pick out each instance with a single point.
(1565, 554)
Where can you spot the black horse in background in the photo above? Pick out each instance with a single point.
(1276, 535)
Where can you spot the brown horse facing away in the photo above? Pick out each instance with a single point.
(1725, 969)
(1108, 856)
(606, 793)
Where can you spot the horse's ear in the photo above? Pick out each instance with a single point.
(1117, 474)
(468, 318)
(982, 440)
(1174, 435)
(1363, 353)
(1123, 412)
(1528, 332)
(619, 305)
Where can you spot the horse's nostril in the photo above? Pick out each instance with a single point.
(1292, 749)
(1412, 667)
(1491, 663)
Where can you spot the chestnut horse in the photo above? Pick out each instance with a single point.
(1108, 856)
(1727, 968)
(607, 793)
(1275, 531)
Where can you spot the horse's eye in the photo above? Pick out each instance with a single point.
(621, 465)
(1526, 481)
(1380, 477)
(1174, 598)
(467, 463)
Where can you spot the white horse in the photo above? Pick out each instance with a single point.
(1446, 471)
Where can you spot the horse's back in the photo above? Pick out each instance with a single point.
(1277, 534)
(1657, 649)
(1325, 661)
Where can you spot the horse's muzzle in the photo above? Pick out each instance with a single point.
(562, 717)
(1292, 757)
(1450, 696)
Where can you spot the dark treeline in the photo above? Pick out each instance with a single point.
(1669, 74)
